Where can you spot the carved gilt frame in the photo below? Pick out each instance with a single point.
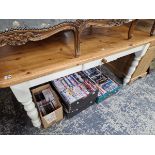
(22, 36)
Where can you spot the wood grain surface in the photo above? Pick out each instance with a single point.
(56, 53)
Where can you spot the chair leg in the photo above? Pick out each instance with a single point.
(152, 29)
(131, 28)
(91, 29)
(77, 43)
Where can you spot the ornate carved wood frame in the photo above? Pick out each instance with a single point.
(22, 36)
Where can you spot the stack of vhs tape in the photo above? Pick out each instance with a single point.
(77, 92)
(105, 85)
(45, 101)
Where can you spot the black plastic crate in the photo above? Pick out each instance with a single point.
(73, 108)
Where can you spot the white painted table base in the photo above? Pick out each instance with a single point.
(23, 95)
(134, 64)
(22, 90)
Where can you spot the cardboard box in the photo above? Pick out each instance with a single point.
(54, 116)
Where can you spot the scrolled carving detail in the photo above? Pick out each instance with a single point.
(17, 38)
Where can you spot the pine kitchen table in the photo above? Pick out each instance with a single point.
(35, 63)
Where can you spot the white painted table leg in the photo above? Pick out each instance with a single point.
(23, 95)
(138, 56)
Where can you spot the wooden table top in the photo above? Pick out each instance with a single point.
(36, 59)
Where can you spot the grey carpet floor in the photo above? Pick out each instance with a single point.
(130, 111)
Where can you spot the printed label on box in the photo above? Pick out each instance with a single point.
(50, 117)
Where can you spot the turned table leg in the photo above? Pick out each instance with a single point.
(23, 95)
(134, 64)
